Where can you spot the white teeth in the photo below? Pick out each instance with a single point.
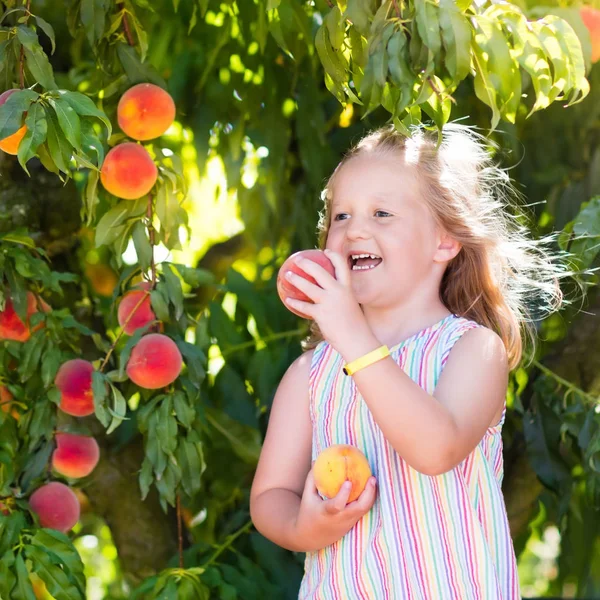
(356, 256)
(357, 268)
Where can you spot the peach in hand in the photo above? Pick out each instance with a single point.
(155, 362)
(128, 171)
(74, 380)
(145, 111)
(340, 463)
(10, 144)
(75, 455)
(285, 287)
(56, 506)
(142, 315)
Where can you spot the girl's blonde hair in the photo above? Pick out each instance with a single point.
(501, 278)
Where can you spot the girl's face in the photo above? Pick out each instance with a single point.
(378, 209)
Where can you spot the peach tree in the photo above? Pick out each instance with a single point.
(135, 391)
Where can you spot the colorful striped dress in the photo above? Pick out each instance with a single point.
(427, 537)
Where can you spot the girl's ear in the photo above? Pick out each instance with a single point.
(447, 248)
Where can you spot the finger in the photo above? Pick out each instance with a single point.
(337, 504)
(342, 272)
(315, 270)
(367, 497)
(305, 308)
(314, 292)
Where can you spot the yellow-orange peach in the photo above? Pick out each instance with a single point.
(11, 326)
(340, 463)
(75, 455)
(591, 19)
(128, 171)
(142, 315)
(5, 402)
(145, 111)
(10, 144)
(286, 289)
(102, 278)
(155, 362)
(56, 506)
(74, 380)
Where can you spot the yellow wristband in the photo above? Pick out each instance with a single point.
(366, 360)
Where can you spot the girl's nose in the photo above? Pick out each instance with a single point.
(357, 229)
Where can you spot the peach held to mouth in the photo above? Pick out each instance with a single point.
(363, 262)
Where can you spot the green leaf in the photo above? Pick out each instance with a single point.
(58, 147)
(61, 547)
(195, 277)
(174, 290)
(36, 59)
(47, 29)
(160, 305)
(334, 63)
(137, 72)
(426, 17)
(142, 245)
(110, 226)
(68, 121)
(359, 13)
(85, 107)
(93, 17)
(24, 587)
(56, 580)
(456, 38)
(118, 411)
(11, 112)
(37, 129)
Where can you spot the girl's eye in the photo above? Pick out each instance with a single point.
(340, 217)
(382, 213)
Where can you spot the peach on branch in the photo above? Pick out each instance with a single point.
(75, 455)
(145, 111)
(591, 19)
(285, 287)
(56, 506)
(102, 278)
(340, 463)
(74, 380)
(11, 326)
(128, 171)
(10, 144)
(6, 402)
(133, 318)
(155, 362)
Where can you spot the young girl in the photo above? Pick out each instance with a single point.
(424, 314)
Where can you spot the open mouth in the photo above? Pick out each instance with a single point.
(363, 262)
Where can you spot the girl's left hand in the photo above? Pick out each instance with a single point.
(335, 309)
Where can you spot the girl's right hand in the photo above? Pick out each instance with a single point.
(323, 522)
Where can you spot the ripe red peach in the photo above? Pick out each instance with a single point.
(591, 19)
(340, 463)
(11, 326)
(145, 111)
(56, 506)
(74, 380)
(155, 362)
(75, 455)
(10, 144)
(284, 285)
(128, 171)
(142, 315)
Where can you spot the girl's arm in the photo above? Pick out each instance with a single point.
(434, 433)
(284, 503)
